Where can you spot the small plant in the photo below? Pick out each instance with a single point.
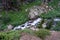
(29, 31)
(42, 33)
(12, 35)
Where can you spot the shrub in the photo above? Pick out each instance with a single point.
(12, 35)
(2, 27)
(28, 31)
(57, 28)
(42, 33)
(6, 19)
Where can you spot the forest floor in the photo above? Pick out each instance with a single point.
(54, 36)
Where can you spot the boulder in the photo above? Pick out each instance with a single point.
(44, 25)
(36, 11)
(9, 27)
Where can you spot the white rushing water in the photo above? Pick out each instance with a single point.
(29, 24)
(57, 19)
(32, 23)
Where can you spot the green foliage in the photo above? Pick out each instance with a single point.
(50, 14)
(53, 13)
(40, 24)
(2, 27)
(6, 19)
(15, 35)
(14, 18)
(29, 31)
(12, 35)
(17, 17)
(56, 27)
(49, 24)
(42, 33)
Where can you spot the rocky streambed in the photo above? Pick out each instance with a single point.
(34, 21)
(32, 24)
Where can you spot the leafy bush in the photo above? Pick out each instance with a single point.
(29, 31)
(42, 33)
(15, 35)
(12, 35)
(6, 19)
(57, 28)
(2, 27)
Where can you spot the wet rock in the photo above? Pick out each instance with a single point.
(44, 25)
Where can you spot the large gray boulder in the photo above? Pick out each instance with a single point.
(36, 11)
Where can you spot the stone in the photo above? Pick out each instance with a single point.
(44, 25)
(9, 27)
(0, 15)
(34, 28)
(36, 11)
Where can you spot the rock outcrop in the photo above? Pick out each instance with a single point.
(36, 11)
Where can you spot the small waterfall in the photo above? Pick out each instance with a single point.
(29, 24)
(33, 23)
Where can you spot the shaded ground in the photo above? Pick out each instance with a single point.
(29, 37)
(54, 36)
